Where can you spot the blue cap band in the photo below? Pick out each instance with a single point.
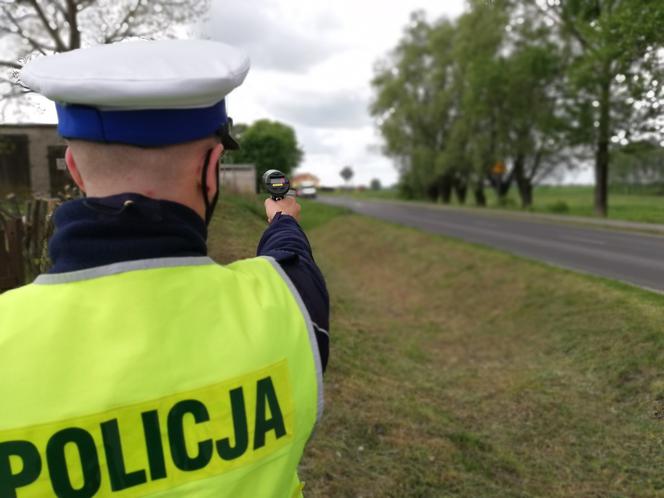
(147, 128)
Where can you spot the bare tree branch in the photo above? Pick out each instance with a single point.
(13, 65)
(71, 14)
(59, 6)
(121, 32)
(54, 34)
(19, 31)
(25, 17)
(47, 26)
(81, 5)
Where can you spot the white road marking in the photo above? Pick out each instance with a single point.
(583, 240)
(482, 223)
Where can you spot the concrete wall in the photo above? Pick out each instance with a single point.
(40, 137)
(238, 178)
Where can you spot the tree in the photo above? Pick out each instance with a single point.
(613, 47)
(413, 106)
(346, 173)
(375, 184)
(480, 81)
(267, 145)
(39, 27)
(438, 103)
(533, 117)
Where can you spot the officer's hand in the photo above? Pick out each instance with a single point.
(287, 206)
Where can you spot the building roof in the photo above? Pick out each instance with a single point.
(305, 177)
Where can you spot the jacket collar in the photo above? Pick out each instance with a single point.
(97, 231)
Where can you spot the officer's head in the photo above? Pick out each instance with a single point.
(175, 172)
(146, 117)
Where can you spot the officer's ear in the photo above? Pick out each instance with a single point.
(73, 170)
(212, 170)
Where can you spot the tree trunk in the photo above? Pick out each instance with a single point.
(526, 194)
(478, 192)
(502, 185)
(445, 188)
(72, 19)
(602, 151)
(432, 193)
(503, 188)
(461, 190)
(523, 183)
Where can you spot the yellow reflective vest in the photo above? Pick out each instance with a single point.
(173, 377)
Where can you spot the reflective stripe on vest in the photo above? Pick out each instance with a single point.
(170, 377)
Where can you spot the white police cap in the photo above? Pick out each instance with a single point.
(148, 93)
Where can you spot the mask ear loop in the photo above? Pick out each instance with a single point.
(210, 205)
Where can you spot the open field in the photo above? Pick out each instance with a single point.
(461, 371)
(572, 200)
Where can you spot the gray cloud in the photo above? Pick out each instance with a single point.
(342, 109)
(272, 42)
(313, 143)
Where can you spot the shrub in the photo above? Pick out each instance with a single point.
(558, 207)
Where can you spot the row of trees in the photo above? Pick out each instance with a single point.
(515, 88)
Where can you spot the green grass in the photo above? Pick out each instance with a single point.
(578, 201)
(240, 220)
(465, 372)
(570, 200)
(315, 214)
(236, 227)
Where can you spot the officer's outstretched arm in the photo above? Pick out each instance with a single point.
(285, 241)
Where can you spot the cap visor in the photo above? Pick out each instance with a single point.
(229, 142)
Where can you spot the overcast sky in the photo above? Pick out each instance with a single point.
(312, 63)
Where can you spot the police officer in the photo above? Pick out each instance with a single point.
(138, 366)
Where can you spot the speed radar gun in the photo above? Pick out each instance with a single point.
(276, 184)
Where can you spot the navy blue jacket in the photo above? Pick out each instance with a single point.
(94, 232)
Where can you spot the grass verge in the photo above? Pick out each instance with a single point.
(563, 200)
(240, 220)
(461, 371)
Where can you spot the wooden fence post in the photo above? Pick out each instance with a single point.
(38, 229)
(12, 271)
(23, 241)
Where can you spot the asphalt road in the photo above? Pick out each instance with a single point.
(627, 256)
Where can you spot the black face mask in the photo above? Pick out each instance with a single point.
(209, 204)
